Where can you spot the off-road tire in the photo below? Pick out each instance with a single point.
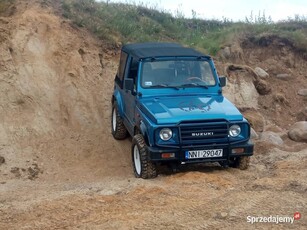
(119, 130)
(146, 169)
(240, 162)
(243, 162)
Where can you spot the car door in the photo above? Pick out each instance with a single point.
(129, 96)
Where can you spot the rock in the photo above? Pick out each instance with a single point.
(262, 87)
(223, 214)
(33, 172)
(4, 20)
(274, 128)
(232, 54)
(272, 137)
(253, 134)
(302, 92)
(298, 131)
(16, 172)
(240, 89)
(226, 52)
(255, 119)
(283, 76)
(261, 73)
(2, 160)
(302, 115)
(290, 62)
(279, 98)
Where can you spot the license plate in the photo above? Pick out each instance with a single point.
(208, 153)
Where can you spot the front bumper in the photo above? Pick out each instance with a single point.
(155, 153)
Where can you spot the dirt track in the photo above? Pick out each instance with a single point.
(64, 170)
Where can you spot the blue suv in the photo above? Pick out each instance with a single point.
(169, 99)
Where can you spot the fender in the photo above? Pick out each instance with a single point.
(142, 124)
(145, 126)
(117, 97)
(144, 132)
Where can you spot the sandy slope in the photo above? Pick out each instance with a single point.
(64, 170)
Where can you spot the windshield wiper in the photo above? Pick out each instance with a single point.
(164, 86)
(194, 85)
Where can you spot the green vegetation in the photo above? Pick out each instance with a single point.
(5, 5)
(123, 23)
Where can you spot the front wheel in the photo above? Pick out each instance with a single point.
(142, 166)
(240, 162)
(243, 162)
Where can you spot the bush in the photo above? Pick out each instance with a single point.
(5, 5)
(117, 22)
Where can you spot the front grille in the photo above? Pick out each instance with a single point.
(204, 132)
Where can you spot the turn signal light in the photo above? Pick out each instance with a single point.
(237, 151)
(168, 155)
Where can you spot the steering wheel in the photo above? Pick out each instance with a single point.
(194, 79)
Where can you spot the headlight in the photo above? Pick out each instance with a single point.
(234, 131)
(166, 134)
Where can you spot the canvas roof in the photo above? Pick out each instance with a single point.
(152, 50)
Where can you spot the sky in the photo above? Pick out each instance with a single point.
(231, 9)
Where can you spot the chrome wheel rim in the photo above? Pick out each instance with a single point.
(137, 160)
(114, 119)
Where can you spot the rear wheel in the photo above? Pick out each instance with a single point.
(119, 130)
(142, 166)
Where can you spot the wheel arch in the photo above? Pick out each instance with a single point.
(143, 130)
(116, 98)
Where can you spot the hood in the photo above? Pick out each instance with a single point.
(166, 110)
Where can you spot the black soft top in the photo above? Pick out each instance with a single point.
(154, 49)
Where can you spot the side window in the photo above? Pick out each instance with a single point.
(121, 69)
(133, 70)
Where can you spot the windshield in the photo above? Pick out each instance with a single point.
(177, 74)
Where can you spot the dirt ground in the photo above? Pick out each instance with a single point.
(63, 170)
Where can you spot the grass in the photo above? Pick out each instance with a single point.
(122, 23)
(5, 5)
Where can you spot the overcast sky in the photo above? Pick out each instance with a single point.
(231, 9)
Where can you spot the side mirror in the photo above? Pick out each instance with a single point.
(222, 81)
(129, 84)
